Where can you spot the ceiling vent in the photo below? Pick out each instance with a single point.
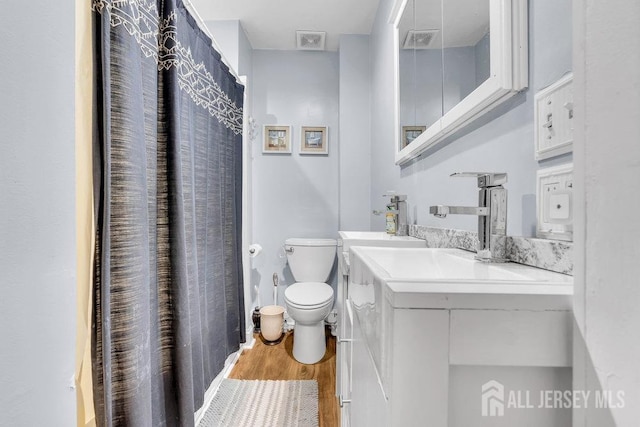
(419, 39)
(310, 40)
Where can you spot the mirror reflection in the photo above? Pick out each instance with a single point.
(420, 68)
(466, 42)
(444, 49)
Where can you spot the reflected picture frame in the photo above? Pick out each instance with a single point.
(314, 140)
(276, 139)
(409, 133)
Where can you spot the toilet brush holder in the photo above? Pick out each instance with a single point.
(271, 322)
(255, 317)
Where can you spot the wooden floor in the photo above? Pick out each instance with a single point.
(264, 362)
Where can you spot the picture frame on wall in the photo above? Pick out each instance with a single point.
(277, 139)
(409, 133)
(314, 140)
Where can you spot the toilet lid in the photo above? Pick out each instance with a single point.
(294, 241)
(308, 293)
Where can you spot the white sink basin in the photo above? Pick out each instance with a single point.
(379, 239)
(347, 239)
(452, 278)
(373, 235)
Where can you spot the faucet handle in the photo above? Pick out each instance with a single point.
(485, 179)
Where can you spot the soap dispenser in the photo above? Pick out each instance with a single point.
(396, 214)
(390, 217)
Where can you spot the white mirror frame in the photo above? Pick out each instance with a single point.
(509, 58)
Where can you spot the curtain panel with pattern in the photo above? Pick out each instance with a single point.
(168, 301)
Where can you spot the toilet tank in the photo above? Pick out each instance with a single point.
(310, 260)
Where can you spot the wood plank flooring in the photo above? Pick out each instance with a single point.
(264, 362)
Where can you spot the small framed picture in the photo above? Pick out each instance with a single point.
(314, 140)
(277, 139)
(409, 133)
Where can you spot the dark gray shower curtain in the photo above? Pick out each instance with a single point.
(168, 303)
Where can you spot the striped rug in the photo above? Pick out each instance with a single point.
(243, 403)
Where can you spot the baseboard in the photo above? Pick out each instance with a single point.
(228, 367)
(250, 339)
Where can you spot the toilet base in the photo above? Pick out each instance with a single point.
(309, 342)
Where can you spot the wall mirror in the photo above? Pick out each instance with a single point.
(454, 61)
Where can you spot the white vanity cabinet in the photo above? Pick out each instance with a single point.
(424, 344)
(400, 368)
(370, 403)
(412, 376)
(367, 404)
(344, 340)
(353, 358)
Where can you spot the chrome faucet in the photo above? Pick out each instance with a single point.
(398, 207)
(491, 212)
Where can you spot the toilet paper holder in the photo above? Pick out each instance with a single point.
(254, 250)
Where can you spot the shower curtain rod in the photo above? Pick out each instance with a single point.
(191, 8)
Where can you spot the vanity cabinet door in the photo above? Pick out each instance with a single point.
(369, 406)
(419, 367)
(344, 331)
(344, 363)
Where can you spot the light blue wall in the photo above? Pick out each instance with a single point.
(607, 195)
(225, 34)
(245, 53)
(293, 195)
(355, 133)
(37, 215)
(502, 141)
(233, 42)
(383, 171)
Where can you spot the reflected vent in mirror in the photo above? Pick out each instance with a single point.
(310, 40)
(419, 39)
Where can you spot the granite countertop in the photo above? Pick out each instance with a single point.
(552, 255)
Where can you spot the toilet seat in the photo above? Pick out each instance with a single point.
(308, 295)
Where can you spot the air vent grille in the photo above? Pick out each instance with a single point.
(310, 40)
(419, 39)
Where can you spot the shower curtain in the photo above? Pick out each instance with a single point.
(168, 301)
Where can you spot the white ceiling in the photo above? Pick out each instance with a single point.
(272, 24)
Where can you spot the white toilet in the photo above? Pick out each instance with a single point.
(310, 299)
